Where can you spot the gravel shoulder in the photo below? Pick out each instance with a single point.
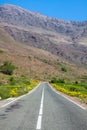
(6, 101)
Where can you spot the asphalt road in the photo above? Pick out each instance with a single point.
(43, 109)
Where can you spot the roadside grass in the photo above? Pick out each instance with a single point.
(73, 89)
(16, 86)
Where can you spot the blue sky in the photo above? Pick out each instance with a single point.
(75, 10)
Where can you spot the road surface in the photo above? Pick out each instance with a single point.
(43, 109)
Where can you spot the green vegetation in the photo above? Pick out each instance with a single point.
(54, 80)
(1, 51)
(75, 89)
(15, 86)
(63, 69)
(7, 68)
(63, 66)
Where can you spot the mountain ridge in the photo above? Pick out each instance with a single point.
(65, 39)
(28, 18)
(38, 20)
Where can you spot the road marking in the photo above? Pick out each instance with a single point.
(41, 111)
(39, 121)
(20, 97)
(67, 98)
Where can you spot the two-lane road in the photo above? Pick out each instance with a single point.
(45, 110)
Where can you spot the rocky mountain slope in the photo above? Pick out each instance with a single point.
(37, 63)
(66, 39)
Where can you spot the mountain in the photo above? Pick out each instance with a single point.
(37, 63)
(31, 40)
(66, 39)
(23, 18)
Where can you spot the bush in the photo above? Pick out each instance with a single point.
(73, 88)
(61, 81)
(54, 80)
(76, 82)
(64, 69)
(12, 81)
(7, 68)
(1, 51)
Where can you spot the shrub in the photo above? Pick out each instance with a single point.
(54, 80)
(7, 68)
(61, 81)
(76, 82)
(12, 81)
(73, 88)
(1, 51)
(63, 69)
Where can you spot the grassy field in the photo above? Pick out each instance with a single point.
(15, 86)
(73, 89)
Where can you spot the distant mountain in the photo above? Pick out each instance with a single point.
(20, 17)
(67, 39)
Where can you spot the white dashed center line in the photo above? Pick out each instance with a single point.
(39, 121)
